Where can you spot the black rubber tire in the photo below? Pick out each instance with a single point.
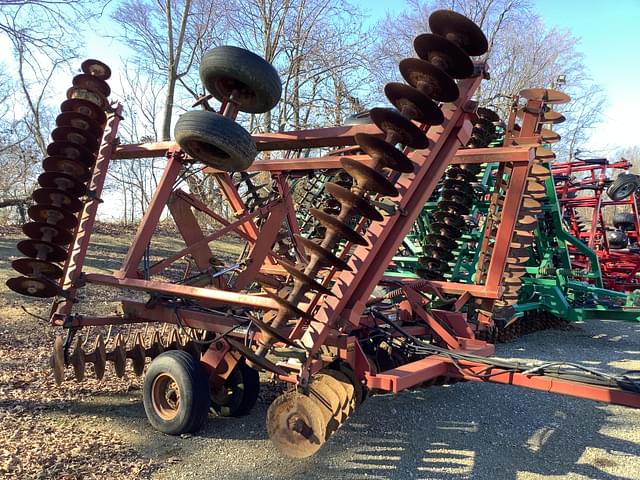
(624, 221)
(243, 386)
(226, 68)
(191, 379)
(623, 186)
(617, 239)
(215, 140)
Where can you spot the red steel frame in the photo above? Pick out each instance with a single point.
(620, 268)
(335, 318)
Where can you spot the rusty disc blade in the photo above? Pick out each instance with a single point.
(464, 199)
(47, 233)
(450, 219)
(75, 136)
(174, 342)
(531, 203)
(62, 181)
(443, 54)
(552, 117)
(413, 103)
(368, 179)
(453, 207)
(398, 129)
(458, 185)
(288, 307)
(487, 114)
(57, 360)
(543, 153)
(517, 260)
(304, 278)
(77, 93)
(386, 153)
(119, 357)
(57, 198)
(462, 174)
(296, 425)
(339, 228)
(33, 287)
(72, 168)
(535, 187)
(538, 169)
(81, 122)
(137, 356)
(342, 384)
(434, 264)
(460, 30)
(441, 242)
(85, 107)
(432, 251)
(99, 357)
(53, 216)
(323, 393)
(77, 361)
(325, 257)
(353, 201)
(549, 136)
(360, 393)
(71, 151)
(32, 267)
(429, 79)
(155, 346)
(546, 95)
(96, 68)
(527, 219)
(272, 333)
(42, 250)
(444, 230)
(92, 83)
(251, 356)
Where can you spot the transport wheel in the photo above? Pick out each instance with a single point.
(296, 425)
(255, 83)
(215, 140)
(624, 221)
(617, 239)
(623, 186)
(239, 393)
(176, 393)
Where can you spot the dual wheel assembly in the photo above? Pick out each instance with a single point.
(178, 394)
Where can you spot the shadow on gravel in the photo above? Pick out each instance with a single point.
(475, 441)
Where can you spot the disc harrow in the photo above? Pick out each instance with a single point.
(320, 296)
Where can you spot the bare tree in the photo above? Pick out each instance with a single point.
(166, 37)
(523, 53)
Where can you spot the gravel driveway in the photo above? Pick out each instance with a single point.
(463, 431)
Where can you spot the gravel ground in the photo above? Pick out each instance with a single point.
(468, 430)
(462, 431)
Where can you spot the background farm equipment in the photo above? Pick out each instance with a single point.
(602, 212)
(311, 299)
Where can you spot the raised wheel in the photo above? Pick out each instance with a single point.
(254, 83)
(239, 393)
(623, 186)
(622, 220)
(215, 140)
(176, 393)
(617, 239)
(296, 425)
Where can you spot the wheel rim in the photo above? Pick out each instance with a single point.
(165, 396)
(625, 190)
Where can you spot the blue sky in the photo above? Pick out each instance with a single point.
(609, 34)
